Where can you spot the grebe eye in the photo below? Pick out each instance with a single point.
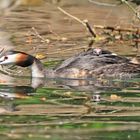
(5, 57)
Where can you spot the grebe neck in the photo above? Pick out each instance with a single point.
(37, 69)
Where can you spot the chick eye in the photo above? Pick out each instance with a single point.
(5, 57)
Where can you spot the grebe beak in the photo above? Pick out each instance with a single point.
(8, 59)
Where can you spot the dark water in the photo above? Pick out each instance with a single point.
(60, 109)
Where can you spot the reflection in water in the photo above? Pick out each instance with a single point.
(11, 92)
(93, 89)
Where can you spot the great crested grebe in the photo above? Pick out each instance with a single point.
(89, 64)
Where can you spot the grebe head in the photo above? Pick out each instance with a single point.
(24, 60)
(18, 58)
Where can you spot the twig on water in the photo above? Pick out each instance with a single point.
(84, 22)
(132, 8)
(64, 51)
(113, 5)
(38, 35)
(117, 28)
(102, 3)
(92, 31)
(1, 51)
(59, 8)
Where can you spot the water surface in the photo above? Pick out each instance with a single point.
(60, 108)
